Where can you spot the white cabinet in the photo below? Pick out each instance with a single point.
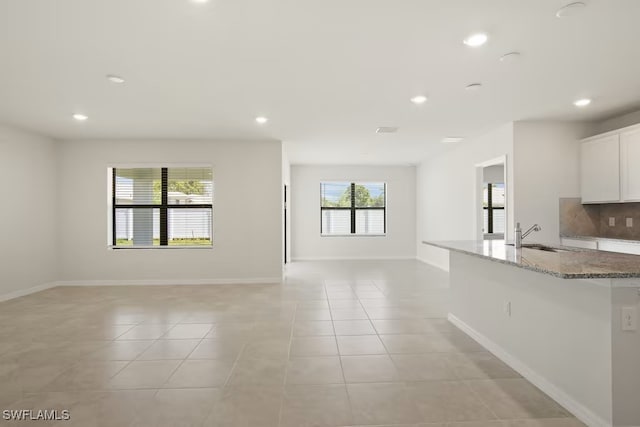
(630, 165)
(603, 245)
(579, 243)
(610, 167)
(627, 248)
(600, 169)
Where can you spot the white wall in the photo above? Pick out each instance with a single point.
(493, 174)
(447, 199)
(546, 167)
(247, 213)
(28, 214)
(626, 354)
(307, 243)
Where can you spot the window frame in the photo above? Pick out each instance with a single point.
(163, 207)
(490, 208)
(353, 210)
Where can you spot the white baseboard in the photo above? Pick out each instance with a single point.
(432, 263)
(22, 292)
(364, 258)
(580, 411)
(434, 256)
(171, 282)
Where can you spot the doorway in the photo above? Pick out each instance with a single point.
(492, 199)
(285, 224)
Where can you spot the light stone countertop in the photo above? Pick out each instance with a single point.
(569, 263)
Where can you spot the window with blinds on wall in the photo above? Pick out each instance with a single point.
(162, 207)
(493, 208)
(352, 208)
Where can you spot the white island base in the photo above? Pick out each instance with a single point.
(563, 335)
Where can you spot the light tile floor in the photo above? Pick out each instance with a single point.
(337, 344)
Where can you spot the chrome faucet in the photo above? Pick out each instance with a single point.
(520, 235)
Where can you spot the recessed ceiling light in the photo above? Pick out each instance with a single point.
(510, 57)
(261, 120)
(570, 9)
(473, 86)
(115, 79)
(199, 1)
(80, 117)
(387, 129)
(582, 102)
(475, 40)
(451, 139)
(420, 99)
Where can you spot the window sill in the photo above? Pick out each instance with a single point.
(353, 235)
(129, 248)
(493, 236)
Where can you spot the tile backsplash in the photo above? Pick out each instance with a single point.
(577, 219)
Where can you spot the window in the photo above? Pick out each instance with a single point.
(493, 204)
(352, 208)
(162, 207)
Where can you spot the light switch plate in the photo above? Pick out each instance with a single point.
(629, 319)
(629, 222)
(612, 221)
(507, 308)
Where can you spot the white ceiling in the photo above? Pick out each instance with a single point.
(325, 72)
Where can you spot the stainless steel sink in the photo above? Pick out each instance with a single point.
(545, 248)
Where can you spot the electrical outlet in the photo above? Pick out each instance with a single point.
(629, 222)
(629, 319)
(612, 221)
(507, 308)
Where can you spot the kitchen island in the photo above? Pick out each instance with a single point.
(555, 315)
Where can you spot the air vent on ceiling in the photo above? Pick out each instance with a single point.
(387, 129)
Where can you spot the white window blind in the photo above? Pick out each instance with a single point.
(161, 207)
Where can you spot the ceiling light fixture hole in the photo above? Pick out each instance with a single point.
(476, 40)
(115, 79)
(582, 102)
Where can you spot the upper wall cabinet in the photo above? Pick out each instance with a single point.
(610, 167)
(600, 169)
(630, 165)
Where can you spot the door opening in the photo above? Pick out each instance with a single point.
(492, 215)
(285, 224)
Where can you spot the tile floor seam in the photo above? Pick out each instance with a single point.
(234, 365)
(170, 375)
(479, 397)
(344, 378)
(137, 358)
(286, 369)
(126, 364)
(129, 362)
(115, 338)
